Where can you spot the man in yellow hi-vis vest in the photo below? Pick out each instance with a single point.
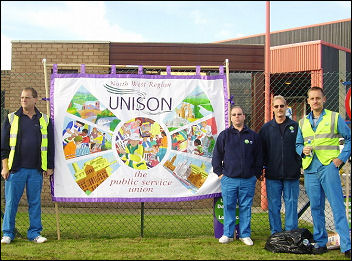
(27, 152)
(318, 144)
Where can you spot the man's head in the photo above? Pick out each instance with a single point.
(316, 98)
(279, 106)
(237, 117)
(29, 98)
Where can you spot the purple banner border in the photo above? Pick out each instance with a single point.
(113, 74)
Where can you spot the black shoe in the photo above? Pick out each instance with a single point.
(319, 250)
(348, 254)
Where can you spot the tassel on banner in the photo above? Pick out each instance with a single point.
(54, 68)
(197, 70)
(168, 70)
(221, 70)
(113, 69)
(231, 101)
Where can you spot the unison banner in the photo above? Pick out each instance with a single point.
(135, 137)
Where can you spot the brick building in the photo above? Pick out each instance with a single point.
(27, 68)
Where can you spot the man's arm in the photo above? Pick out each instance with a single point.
(5, 172)
(259, 158)
(345, 132)
(5, 148)
(299, 143)
(218, 156)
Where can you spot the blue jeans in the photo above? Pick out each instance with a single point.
(241, 191)
(14, 187)
(289, 189)
(326, 182)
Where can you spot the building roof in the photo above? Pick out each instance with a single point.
(285, 30)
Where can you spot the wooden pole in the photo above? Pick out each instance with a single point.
(228, 89)
(48, 113)
(135, 66)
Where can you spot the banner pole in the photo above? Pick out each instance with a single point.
(48, 113)
(228, 88)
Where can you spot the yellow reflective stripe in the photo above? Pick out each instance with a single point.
(322, 136)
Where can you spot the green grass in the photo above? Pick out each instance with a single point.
(117, 237)
(197, 248)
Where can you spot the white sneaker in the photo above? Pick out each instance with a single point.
(6, 240)
(225, 239)
(247, 241)
(39, 239)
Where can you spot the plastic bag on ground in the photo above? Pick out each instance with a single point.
(297, 241)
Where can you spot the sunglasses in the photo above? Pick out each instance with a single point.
(277, 106)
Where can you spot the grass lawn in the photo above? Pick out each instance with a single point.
(117, 237)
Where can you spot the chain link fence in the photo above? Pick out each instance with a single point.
(174, 219)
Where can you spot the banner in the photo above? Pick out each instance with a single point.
(135, 137)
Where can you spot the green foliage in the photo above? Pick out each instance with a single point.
(73, 111)
(114, 123)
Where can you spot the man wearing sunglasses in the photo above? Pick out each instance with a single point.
(282, 166)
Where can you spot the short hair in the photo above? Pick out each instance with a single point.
(34, 92)
(278, 97)
(236, 106)
(315, 88)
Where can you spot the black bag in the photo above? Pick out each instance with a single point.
(291, 242)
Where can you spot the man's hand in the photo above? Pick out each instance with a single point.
(5, 173)
(49, 172)
(337, 162)
(307, 150)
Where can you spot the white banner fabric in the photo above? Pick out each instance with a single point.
(136, 138)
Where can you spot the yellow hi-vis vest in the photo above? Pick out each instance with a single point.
(134, 157)
(325, 140)
(43, 121)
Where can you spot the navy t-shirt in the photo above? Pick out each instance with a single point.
(30, 141)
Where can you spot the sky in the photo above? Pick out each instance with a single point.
(155, 21)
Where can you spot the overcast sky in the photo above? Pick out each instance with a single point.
(160, 21)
